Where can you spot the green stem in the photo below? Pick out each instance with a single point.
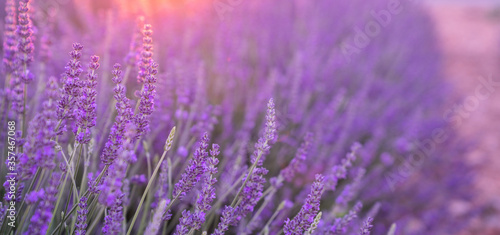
(145, 193)
(75, 206)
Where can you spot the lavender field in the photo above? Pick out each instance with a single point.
(247, 117)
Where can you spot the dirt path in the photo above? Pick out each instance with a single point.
(470, 40)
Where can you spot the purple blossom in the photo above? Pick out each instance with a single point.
(297, 163)
(194, 171)
(250, 195)
(10, 40)
(70, 91)
(25, 46)
(301, 222)
(146, 103)
(350, 190)
(122, 119)
(81, 221)
(208, 190)
(154, 226)
(113, 221)
(33, 196)
(225, 220)
(203, 204)
(86, 112)
(146, 54)
(367, 227)
(340, 224)
(185, 222)
(39, 222)
(340, 171)
(39, 149)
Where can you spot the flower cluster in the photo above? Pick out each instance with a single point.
(86, 112)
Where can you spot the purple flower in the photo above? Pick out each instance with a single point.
(225, 220)
(340, 224)
(112, 187)
(25, 46)
(70, 91)
(154, 226)
(367, 227)
(146, 54)
(122, 119)
(9, 40)
(34, 196)
(39, 222)
(146, 103)
(81, 221)
(113, 221)
(350, 190)
(303, 220)
(250, 195)
(203, 204)
(194, 171)
(298, 162)
(208, 189)
(340, 171)
(185, 222)
(39, 149)
(86, 112)
(264, 143)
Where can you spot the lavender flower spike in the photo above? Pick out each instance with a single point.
(86, 113)
(251, 190)
(146, 103)
(367, 227)
(194, 171)
(81, 222)
(295, 165)
(25, 46)
(146, 53)
(192, 221)
(71, 84)
(122, 119)
(340, 224)
(314, 225)
(309, 210)
(9, 40)
(39, 222)
(154, 226)
(208, 190)
(225, 220)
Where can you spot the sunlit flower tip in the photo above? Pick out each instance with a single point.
(270, 121)
(116, 72)
(170, 139)
(94, 65)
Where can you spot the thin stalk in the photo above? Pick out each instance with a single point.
(98, 179)
(96, 220)
(261, 208)
(168, 145)
(278, 210)
(59, 198)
